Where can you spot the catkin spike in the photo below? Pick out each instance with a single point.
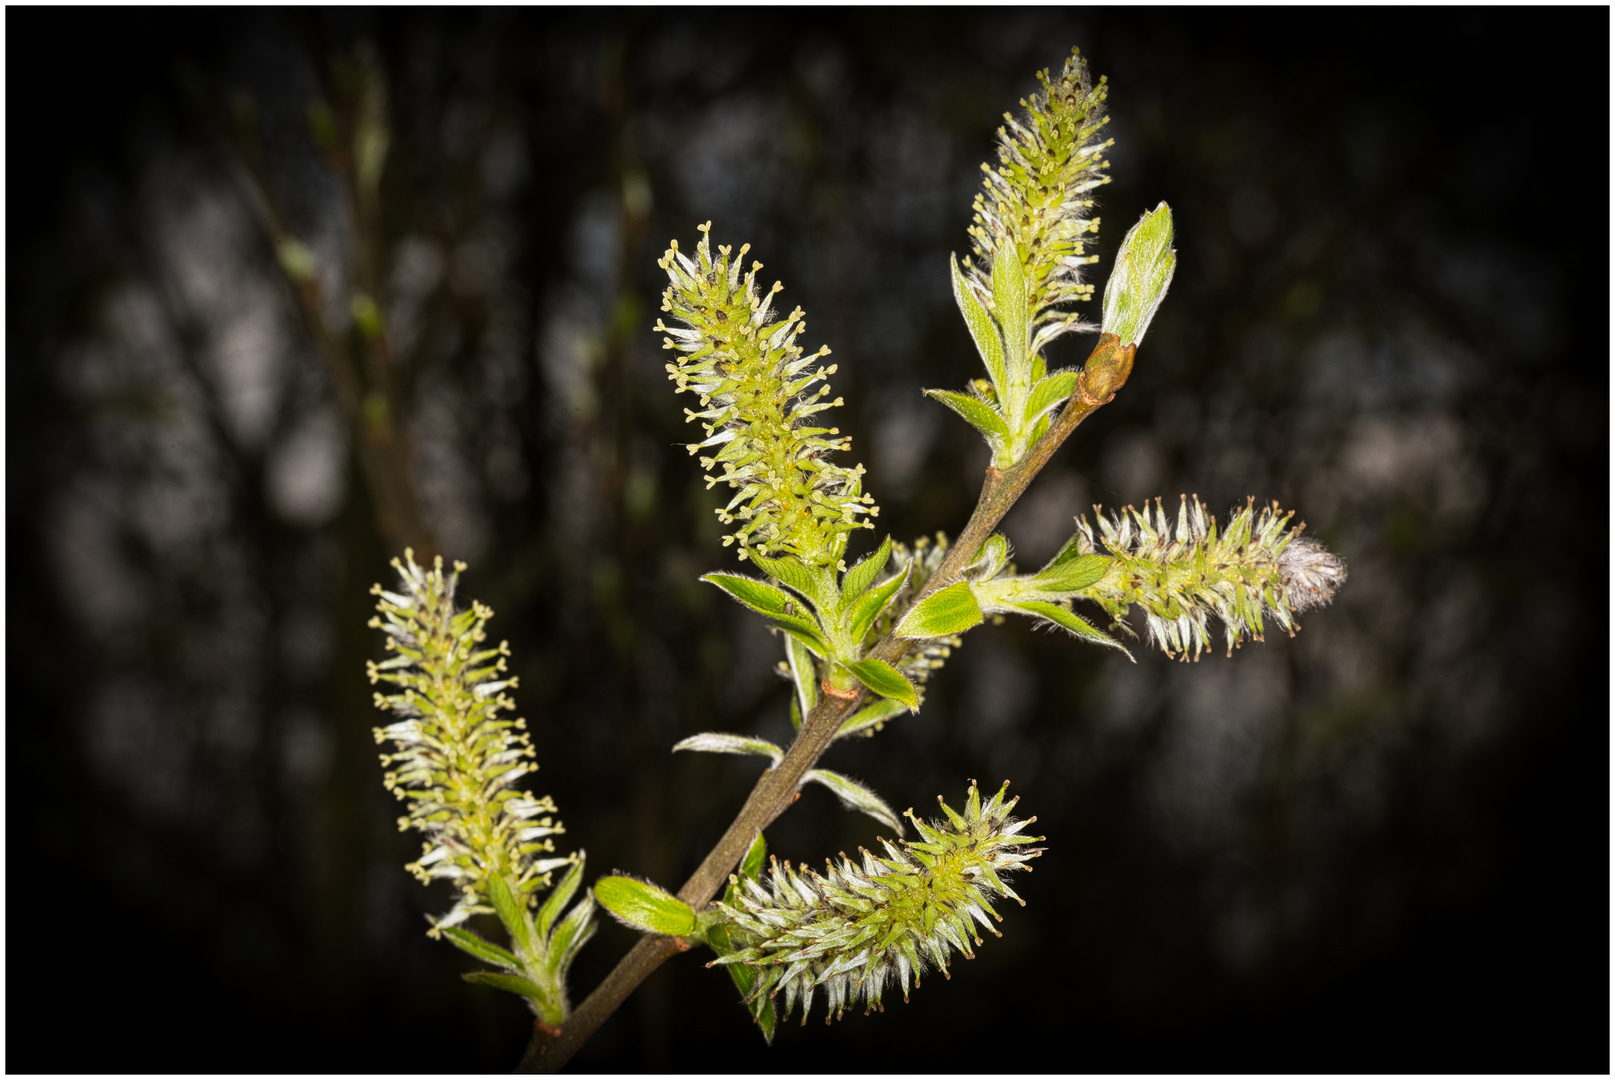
(856, 929)
(1258, 566)
(757, 409)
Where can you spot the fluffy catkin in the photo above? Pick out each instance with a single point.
(867, 923)
(1183, 577)
(1038, 199)
(457, 761)
(757, 405)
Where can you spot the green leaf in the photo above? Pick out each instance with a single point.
(555, 902)
(1047, 394)
(1142, 274)
(760, 596)
(752, 864)
(1058, 615)
(486, 951)
(989, 559)
(511, 912)
(867, 717)
(762, 1010)
(1072, 574)
(855, 796)
(515, 984)
(885, 680)
(810, 641)
(789, 571)
(644, 906)
(571, 934)
(721, 742)
(867, 608)
(766, 600)
(952, 610)
(804, 676)
(982, 328)
(1014, 312)
(863, 575)
(977, 412)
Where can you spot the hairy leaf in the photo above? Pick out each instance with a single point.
(486, 951)
(867, 608)
(790, 572)
(1049, 393)
(644, 906)
(514, 984)
(804, 676)
(766, 600)
(863, 575)
(976, 412)
(952, 610)
(752, 864)
(885, 680)
(571, 934)
(1072, 574)
(870, 715)
(1058, 615)
(556, 901)
(982, 328)
(1013, 311)
(855, 796)
(721, 742)
(510, 911)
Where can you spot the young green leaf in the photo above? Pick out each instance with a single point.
(752, 864)
(1072, 574)
(761, 1007)
(760, 596)
(571, 934)
(812, 642)
(1141, 276)
(789, 572)
(867, 608)
(867, 717)
(952, 610)
(556, 901)
(976, 412)
(990, 558)
(514, 984)
(763, 1013)
(885, 680)
(1048, 393)
(804, 676)
(863, 575)
(486, 951)
(511, 912)
(982, 328)
(721, 742)
(1013, 311)
(854, 796)
(766, 600)
(1058, 615)
(644, 906)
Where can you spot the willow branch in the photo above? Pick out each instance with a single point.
(1107, 368)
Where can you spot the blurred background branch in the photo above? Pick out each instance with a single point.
(313, 286)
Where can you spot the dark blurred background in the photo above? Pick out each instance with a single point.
(1380, 845)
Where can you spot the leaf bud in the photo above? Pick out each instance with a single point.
(1140, 278)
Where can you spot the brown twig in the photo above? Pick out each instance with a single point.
(1107, 368)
